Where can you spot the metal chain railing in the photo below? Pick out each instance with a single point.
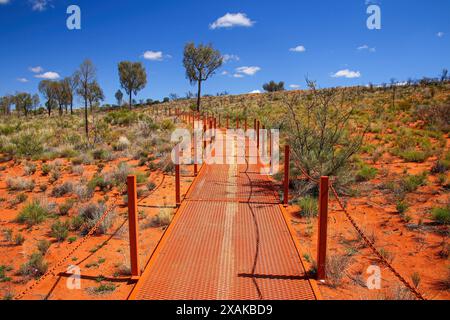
(369, 243)
(52, 271)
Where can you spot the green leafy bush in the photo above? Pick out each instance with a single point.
(308, 207)
(441, 215)
(34, 213)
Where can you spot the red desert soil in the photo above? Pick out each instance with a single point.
(102, 257)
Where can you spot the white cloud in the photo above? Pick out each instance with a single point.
(440, 34)
(230, 57)
(23, 80)
(4, 1)
(366, 47)
(294, 86)
(39, 5)
(347, 74)
(153, 55)
(37, 69)
(232, 20)
(254, 92)
(48, 75)
(238, 75)
(224, 73)
(298, 49)
(249, 71)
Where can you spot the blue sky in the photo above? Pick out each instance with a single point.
(334, 45)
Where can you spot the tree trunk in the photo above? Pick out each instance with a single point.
(86, 118)
(131, 100)
(199, 95)
(71, 106)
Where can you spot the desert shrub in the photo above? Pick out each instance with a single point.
(318, 125)
(19, 239)
(121, 117)
(78, 170)
(34, 213)
(441, 215)
(308, 207)
(402, 207)
(167, 124)
(65, 207)
(122, 144)
(441, 166)
(28, 143)
(412, 182)
(366, 173)
(20, 184)
(3, 276)
(62, 190)
(105, 183)
(55, 174)
(162, 219)
(35, 267)
(140, 177)
(336, 267)
(46, 168)
(30, 169)
(435, 116)
(20, 198)
(105, 288)
(151, 186)
(60, 230)
(101, 154)
(8, 235)
(91, 214)
(68, 153)
(83, 192)
(413, 156)
(43, 246)
(121, 173)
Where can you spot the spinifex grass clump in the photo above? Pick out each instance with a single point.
(34, 213)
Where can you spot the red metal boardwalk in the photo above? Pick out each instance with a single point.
(229, 240)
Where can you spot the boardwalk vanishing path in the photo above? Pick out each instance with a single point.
(230, 240)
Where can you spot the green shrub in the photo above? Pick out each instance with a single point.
(402, 207)
(20, 184)
(308, 207)
(65, 207)
(28, 144)
(62, 190)
(34, 213)
(35, 267)
(43, 246)
(60, 230)
(414, 156)
(366, 173)
(19, 239)
(3, 277)
(441, 215)
(412, 182)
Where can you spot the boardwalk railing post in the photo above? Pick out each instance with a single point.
(287, 151)
(257, 134)
(195, 156)
(177, 178)
(237, 123)
(323, 222)
(133, 227)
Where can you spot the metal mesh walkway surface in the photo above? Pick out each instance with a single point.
(229, 240)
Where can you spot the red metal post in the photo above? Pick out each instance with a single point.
(287, 151)
(323, 223)
(257, 134)
(133, 227)
(177, 178)
(245, 125)
(237, 123)
(228, 122)
(204, 136)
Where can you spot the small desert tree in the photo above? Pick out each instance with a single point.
(200, 63)
(444, 75)
(47, 89)
(133, 78)
(70, 87)
(5, 104)
(320, 134)
(272, 86)
(85, 75)
(23, 102)
(95, 94)
(119, 97)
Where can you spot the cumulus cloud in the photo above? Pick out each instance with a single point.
(298, 49)
(255, 92)
(294, 86)
(4, 1)
(153, 55)
(23, 80)
(37, 69)
(249, 71)
(50, 75)
(440, 34)
(231, 20)
(238, 75)
(347, 74)
(230, 57)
